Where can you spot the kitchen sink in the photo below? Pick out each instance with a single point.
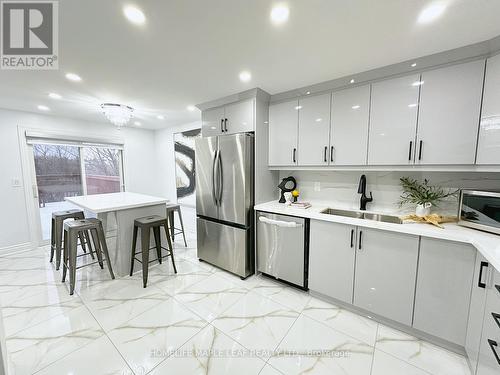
(363, 215)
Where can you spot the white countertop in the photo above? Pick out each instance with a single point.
(100, 203)
(486, 243)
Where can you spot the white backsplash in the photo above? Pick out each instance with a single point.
(341, 187)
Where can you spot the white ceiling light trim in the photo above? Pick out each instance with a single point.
(279, 14)
(134, 15)
(73, 77)
(53, 95)
(245, 76)
(118, 114)
(432, 12)
(191, 108)
(43, 108)
(160, 117)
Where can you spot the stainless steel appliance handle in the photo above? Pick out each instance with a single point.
(280, 223)
(214, 178)
(220, 177)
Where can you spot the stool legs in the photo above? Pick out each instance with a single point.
(104, 247)
(72, 261)
(156, 232)
(182, 227)
(97, 247)
(145, 255)
(58, 239)
(65, 256)
(87, 240)
(52, 240)
(171, 248)
(171, 220)
(134, 245)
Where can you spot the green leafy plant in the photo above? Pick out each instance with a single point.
(416, 192)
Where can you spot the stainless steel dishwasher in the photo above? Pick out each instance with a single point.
(283, 247)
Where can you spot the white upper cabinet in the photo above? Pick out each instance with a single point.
(349, 128)
(283, 131)
(314, 130)
(450, 101)
(239, 117)
(488, 151)
(212, 122)
(393, 121)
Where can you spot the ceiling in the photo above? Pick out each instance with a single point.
(191, 51)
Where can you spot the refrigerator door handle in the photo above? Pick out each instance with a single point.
(214, 178)
(220, 177)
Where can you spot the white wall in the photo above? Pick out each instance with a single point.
(164, 145)
(140, 168)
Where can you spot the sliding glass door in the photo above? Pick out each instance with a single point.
(69, 170)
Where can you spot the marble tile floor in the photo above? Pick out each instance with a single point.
(200, 321)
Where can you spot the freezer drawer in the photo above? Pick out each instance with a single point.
(226, 247)
(282, 247)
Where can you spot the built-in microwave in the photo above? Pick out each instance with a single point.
(480, 210)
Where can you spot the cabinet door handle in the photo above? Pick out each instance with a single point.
(496, 317)
(360, 237)
(352, 238)
(493, 345)
(222, 125)
(420, 150)
(479, 282)
(326, 150)
(225, 125)
(331, 153)
(409, 152)
(293, 155)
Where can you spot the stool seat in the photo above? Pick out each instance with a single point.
(81, 224)
(68, 214)
(149, 221)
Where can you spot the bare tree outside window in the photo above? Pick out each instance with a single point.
(102, 170)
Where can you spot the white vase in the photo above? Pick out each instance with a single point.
(423, 209)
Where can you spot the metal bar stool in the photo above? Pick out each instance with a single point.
(56, 234)
(72, 230)
(147, 223)
(171, 209)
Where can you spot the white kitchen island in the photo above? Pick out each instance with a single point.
(118, 212)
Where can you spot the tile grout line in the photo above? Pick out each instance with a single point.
(374, 348)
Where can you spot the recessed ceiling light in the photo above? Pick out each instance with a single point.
(160, 117)
(417, 83)
(279, 14)
(137, 123)
(307, 93)
(431, 12)
(53, 95)
(413, 65)
(319, 119)
(191, 108)
(43, 108)
(356, 106)
(351, 81)
(245, 76)
(298, 107)
(134, 15)
(73, 77)
(412, 105)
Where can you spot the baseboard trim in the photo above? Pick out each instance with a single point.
(16, 248)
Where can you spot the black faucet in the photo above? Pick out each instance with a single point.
(362, 190)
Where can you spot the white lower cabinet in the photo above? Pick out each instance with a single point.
(445, 272)
(331, 259)
(386, 267)
(476, 311)
(489, 350)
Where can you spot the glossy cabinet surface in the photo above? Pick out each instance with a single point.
(386, 267)
(445, 273)
(393, 121)
(314, 130)
(448, 120)
(212, 122)
(332, 249)
(349, 126)
(239, 117)
(488, 149)
(489, 352)
(283, 133)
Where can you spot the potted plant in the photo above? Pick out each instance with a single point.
(423, 195)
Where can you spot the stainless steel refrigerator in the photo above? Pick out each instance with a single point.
(224, 202)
